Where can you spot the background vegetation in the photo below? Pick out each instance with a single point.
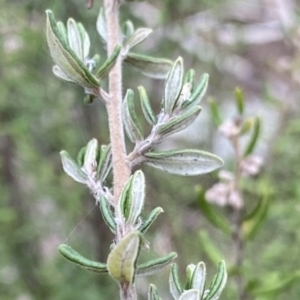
(251, 44)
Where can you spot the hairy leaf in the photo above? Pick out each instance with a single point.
(146, 107)
(151, 218)
(107, 214)
(174, 284)
(137, 37)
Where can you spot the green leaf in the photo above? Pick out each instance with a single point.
(215, 112)
(174, 284)
(189, 275)
(72, 169)
(60, 74)
(121, 263)
(210, 249)
(91, 152)
(130, 120)
(173, 86)
(218, 283)
(198, 93)
(254, 137)
(190, 295)
(151, 218)
(137, 37)
(178, 123)
(74, 39)
(184, 162)
(101, 25)
(107, 214)
(152, 293)
(109, 63)
(73, 256)
(198, 278)
(85, 40)
(214, 217)
(253, 221)
(157, 68)
(128, 29)
(80, 156)
(189, 78)
(155, 265)
(132, 198)
(240, 100)
(65, 58)
(146, 107)
(105, 162)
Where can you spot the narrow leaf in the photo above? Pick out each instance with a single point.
(128, 29)
(80, 156)
(85, 40)
(254, 137)
(184, 162)
(73, 256)
(74, 38)
(178, 123)
(199, 277)
(189, 276)
(107, 214)
(189, 78)
(60, 74)
(137, 37)
(156, 265)
(62, 30)
(215, 112)
(90, 163)
(157, 68)
(218, 283)
(151, 218)
(173, 86)
(174, 284)
(64, 57)
(146, 107)
(121, 263)
(105, 162)
(109, 63)
(198, 93)
(101, 25)
(72, 169)
(210, 249)
(190, 295)
(239, 99)
(152, 293)
(130, 120)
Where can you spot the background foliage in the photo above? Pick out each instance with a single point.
(251, 44)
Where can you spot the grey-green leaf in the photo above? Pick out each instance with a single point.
(107, 214)
(73, 256)
(174, 284)
(155, 265)
(146, 107)
(105, 162)
(72, 169)
(218, 283)
(190, 295)
(198, 278)
(65, 58)
(101, 25)
(74, 38)
(184, 162)
(137, 37)
(109, 63)
(173, 86)
(60, 74)
(157, 68)
(152, 293)
(178, 123)
(90, 163)
(151, 218)
(127, 29)
(130, 120)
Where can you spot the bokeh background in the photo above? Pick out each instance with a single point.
(252, 44)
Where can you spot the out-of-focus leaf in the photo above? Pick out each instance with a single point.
(151, 218)
(253, 221)
(190, 295)
(72, 169)
(128, 29)
(215, 113)
(130, 119)
(180, 122)
(73, 256)
(137, 37)
(215, 218)
(254, 137)
(152, 293)
(60, 74)
(174, 284)
(189, 78)
(80, 156)
(65, 58)
(150, 66)
(173, 86)
(101, 25)
(121, 263)
(155, 265)
(210, 249)
(239, 99)
(146, 107)
(184, 162)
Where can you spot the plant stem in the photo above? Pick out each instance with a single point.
(121, 169)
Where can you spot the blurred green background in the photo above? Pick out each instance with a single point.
(251, 44)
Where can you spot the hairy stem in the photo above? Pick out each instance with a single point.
(121, 169)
